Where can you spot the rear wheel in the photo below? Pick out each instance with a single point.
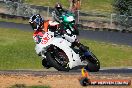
(58, 59)
(93, 63)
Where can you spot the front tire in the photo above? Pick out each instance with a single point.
(93, 63)
(46, 64)
(55, 63)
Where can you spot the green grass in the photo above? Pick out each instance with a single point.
(24, 86)
(97, 5)
(90, 6)
(111, 55)
(87, 5)
(17, 51)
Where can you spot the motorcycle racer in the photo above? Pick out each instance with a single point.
(57, 47)
(37, 23)
(40, 27)
(58, 11)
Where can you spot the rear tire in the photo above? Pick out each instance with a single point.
(55, 64)
(93, 63)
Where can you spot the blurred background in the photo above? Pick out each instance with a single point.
(115, 15)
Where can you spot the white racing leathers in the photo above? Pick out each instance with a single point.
(69, 38)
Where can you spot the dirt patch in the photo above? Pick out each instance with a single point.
(54, 81)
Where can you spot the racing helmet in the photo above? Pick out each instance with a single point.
(58, 7)
(36, 21)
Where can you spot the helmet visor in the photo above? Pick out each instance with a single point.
(34, 25)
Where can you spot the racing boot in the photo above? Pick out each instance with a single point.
(84, 51)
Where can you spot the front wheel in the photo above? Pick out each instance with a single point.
(58, 59)
(46, 64)
(93, 63)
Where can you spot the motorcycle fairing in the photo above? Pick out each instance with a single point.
(74, 59)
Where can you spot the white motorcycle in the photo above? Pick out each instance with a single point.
(58, 53)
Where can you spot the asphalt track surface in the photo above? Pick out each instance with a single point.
(105, 36)
(104, 72)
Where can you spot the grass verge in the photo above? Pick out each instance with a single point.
(111, 55)
(86, 5)
(91, 6)
(17, 51)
